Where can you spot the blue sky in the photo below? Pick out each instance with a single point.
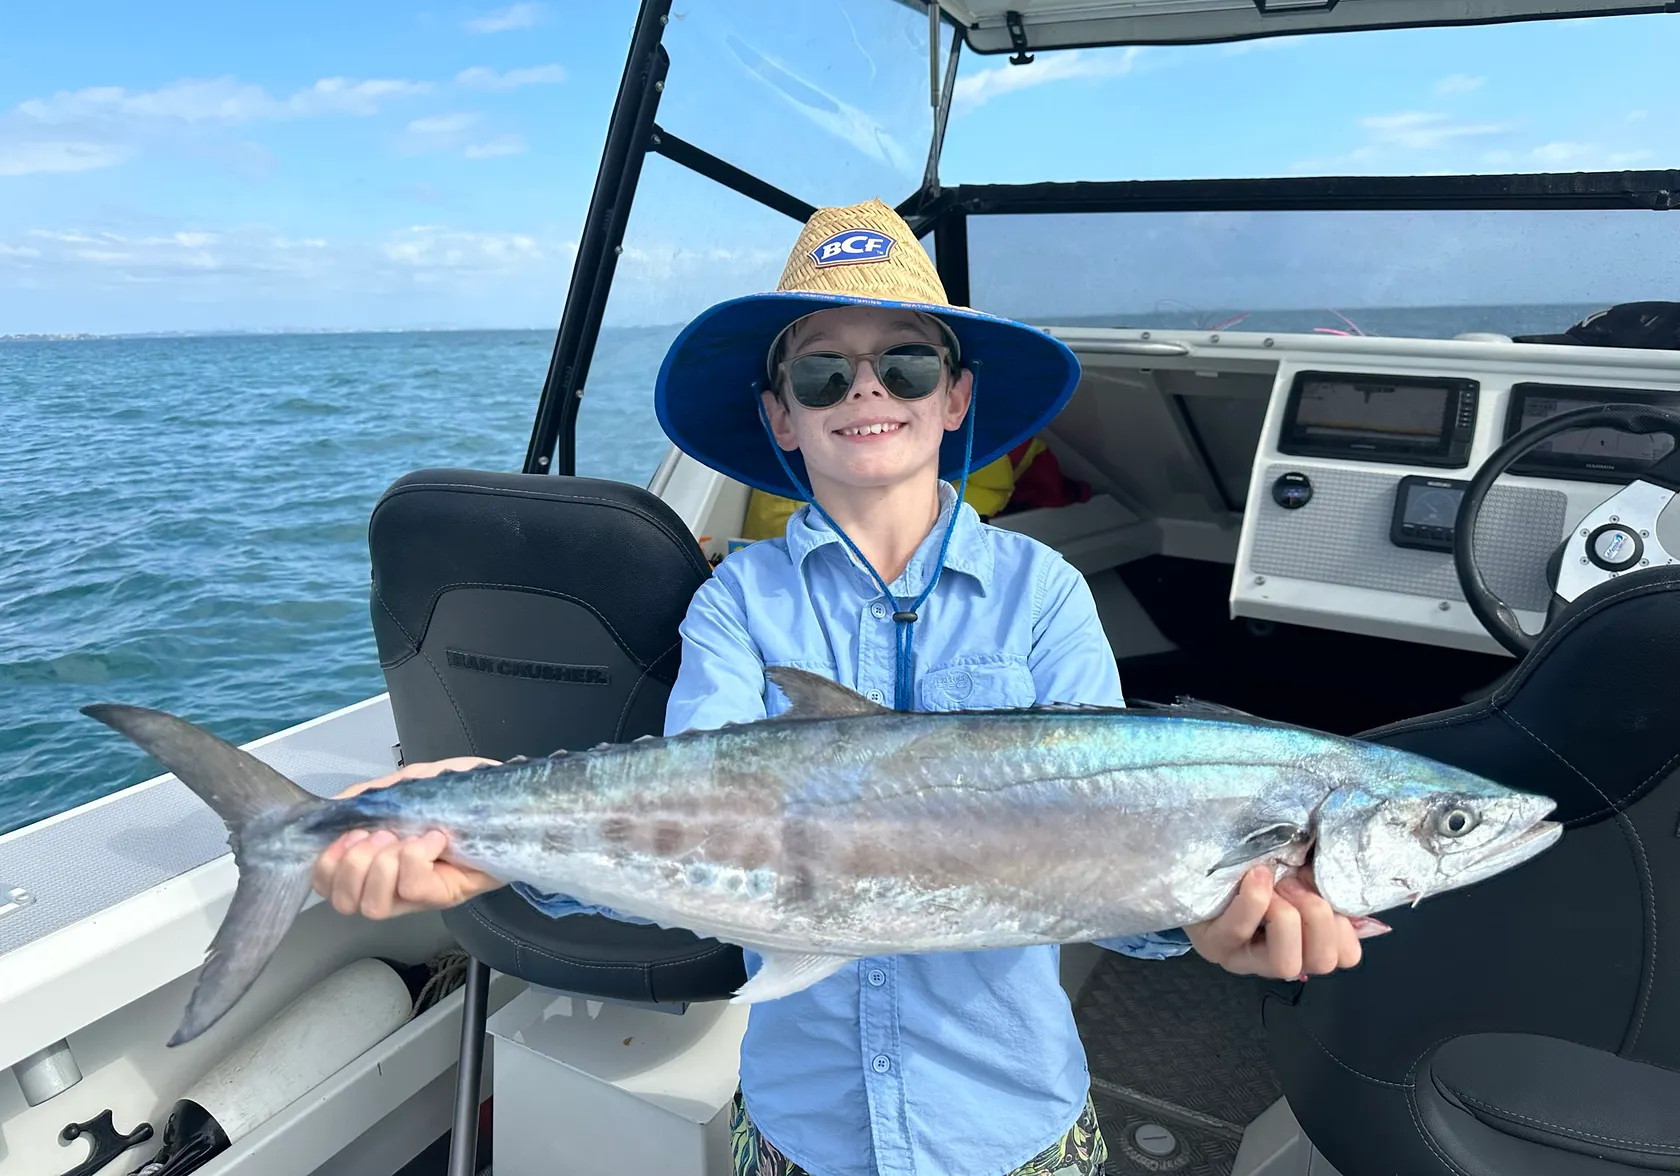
(212, 166)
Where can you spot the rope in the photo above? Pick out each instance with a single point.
(448, 972)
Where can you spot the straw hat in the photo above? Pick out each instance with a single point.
(707, 392)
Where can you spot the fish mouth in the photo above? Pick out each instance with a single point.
(1537, 837)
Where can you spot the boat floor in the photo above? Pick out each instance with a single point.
(1173, 1044)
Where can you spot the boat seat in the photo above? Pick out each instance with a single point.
(1527, 1023)
(518, 615)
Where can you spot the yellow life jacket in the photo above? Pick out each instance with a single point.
(988, 491)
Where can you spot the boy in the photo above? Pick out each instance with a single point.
(857, 388)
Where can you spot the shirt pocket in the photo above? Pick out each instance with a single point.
(978, 682)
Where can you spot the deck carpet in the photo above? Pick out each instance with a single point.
(1178, 1063)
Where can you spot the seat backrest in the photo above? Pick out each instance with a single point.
(522, 614)
(1574, 944)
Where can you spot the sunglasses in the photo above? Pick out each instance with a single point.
(909, 371)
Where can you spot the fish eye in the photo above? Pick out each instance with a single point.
(1455, 822)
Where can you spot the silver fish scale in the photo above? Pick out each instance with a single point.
(933, 833)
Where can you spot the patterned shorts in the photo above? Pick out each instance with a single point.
(1081, 1152)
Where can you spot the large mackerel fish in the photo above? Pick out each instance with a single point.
(841, 829)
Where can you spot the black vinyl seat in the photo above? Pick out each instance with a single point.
(1529, 1024)
(522, 614)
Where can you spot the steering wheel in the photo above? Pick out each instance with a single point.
(1618, 535)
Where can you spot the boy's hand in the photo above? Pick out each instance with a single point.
(380, 875)
(1286, 932)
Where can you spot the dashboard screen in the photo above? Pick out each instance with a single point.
(1431, 505)
(1426, 512)
(1349, 408)
(1594, 454)
(1411, 420)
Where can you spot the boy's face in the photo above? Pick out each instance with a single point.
(838, 444)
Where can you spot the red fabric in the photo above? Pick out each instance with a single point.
(1042, 484)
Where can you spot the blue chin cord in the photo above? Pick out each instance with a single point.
(906, 611)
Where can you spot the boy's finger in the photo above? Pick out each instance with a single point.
(379, 891)
(1282, 950)
(417, 879)
(351, 875)
(1242, 918)
(1320, 935)
(321, 874)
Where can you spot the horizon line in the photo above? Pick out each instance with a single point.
(1072, 319)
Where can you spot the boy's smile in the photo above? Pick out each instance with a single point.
(868, 430)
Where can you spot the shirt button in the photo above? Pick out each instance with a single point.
(875, 696)
(877, 977)
(878, 610)
(881, 1064)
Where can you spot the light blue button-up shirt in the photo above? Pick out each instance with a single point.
(947, 1064)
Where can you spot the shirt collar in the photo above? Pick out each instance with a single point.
(969, 553)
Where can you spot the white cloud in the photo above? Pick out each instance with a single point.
(499, 146)
(518, 16)
(102, 126)
(994, 81)
(212, 276)
(1459, 84)
(223, 100)
(27, 158)
(1421, 131)
(1563, 155)
(427, 249)
(1636, 115)
(1560, 152)
(481, 78)
(438, 125)
(450, 132)
(1394, 140)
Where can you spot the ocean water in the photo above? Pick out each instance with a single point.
(185, 519)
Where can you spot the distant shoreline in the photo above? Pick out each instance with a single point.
(1146, 318)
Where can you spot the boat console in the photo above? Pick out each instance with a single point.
(1328, 471)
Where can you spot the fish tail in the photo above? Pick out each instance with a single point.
(253, 800)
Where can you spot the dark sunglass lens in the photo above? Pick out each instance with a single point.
(819, 381)
(911, 371)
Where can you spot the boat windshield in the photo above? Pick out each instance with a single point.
(830, 102)
(1548, 96)
(1545, 96)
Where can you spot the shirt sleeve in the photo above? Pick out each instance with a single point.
(1072, 661)
(720, 680)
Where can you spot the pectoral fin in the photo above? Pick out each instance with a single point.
(1261, 842)
(784, 973)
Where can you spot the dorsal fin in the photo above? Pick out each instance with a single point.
(812, 696)
(1190, 707)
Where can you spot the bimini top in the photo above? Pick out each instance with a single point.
(1070, 24)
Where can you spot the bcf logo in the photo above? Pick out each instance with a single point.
(852, 247)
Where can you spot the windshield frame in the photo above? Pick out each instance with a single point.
(633, 131)
(1018, 32)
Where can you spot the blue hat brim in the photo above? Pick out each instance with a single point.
(707, 404)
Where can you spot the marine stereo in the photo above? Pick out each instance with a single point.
(1401, 420)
